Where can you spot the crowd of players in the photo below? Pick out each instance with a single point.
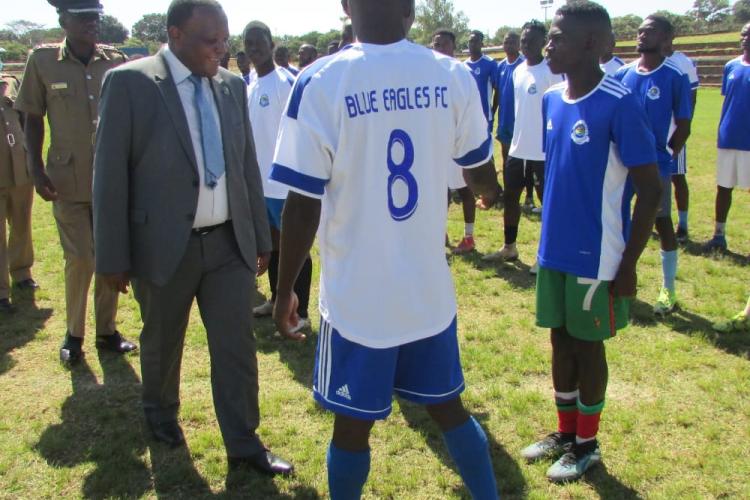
(584, 130)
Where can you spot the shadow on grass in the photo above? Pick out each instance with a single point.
(299, 357)
(514, 272)
(608, 486)
(249, 484)
(101, 425)
(688, 323)
(21, 327)
(696, 248)
(510, 480)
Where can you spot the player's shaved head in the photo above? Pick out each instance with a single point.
(662, 24)
(380, 21)
(580, 34)
(590, 17)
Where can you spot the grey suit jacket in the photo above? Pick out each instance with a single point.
(146, 178)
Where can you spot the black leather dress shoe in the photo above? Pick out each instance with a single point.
(264, 461)
(116, 343)
(169, 433)
(71, 351)
(6, 307)
(28, 284)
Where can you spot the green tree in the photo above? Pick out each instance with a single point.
(151, 28)
(14, 51)
(25, 31)
(626, 27)
(711, 11)
(683, 25)
(500, 34)
(435, 14)
(741, 10)
(111, 30)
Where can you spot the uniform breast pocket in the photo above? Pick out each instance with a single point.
(60, 92)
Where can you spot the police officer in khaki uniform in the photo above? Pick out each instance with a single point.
(16, 195)
(64, 80)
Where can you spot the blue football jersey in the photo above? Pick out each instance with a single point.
(506, 115)
(484, 71)
(590, 143)
(665, 95)
(735, 113)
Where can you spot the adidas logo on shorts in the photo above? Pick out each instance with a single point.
(343, 392)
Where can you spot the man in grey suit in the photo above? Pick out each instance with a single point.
(178, 208)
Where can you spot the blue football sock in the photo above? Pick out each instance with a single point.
(347, 473)
(470, 450)
(669, 268)
(682, 219)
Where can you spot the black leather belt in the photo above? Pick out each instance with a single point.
(203, 231)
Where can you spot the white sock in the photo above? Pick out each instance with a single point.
(469, 229)
(720, 228)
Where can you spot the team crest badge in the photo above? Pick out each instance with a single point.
(580, 134)
(477, 71)
(731, 76)
(264, 101)
(654, 93)
(532, 89)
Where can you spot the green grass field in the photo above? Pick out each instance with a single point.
(731, 36)
(676, 425)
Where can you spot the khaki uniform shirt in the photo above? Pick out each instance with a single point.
(12, 153)
(55, 82)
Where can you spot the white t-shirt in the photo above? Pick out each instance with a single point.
(266, 100)
(688, 67)
(529, 85)
(368, 130)
(610, 67)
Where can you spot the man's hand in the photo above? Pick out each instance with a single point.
(263, 260)
(285, 315)
(44, 186)
(118, 281)
(625, 283)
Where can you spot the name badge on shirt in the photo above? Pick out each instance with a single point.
(59, 86)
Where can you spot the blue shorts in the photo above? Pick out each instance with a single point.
(357, 381)
(679, 165)
(274, 207)
(504, 135)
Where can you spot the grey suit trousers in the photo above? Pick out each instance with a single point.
(213, 272)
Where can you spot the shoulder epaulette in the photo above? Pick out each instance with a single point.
(47, 46)
(111, 50)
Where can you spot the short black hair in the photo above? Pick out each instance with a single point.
(512, 34)
(257, 25)
(180, 11)
(477, 33)
(445, 32)
(535, 25)
(664, 24)
(591, 14)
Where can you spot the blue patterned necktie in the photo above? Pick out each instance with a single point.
(213, 156)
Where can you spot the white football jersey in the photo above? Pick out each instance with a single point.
(529, 85)
(687, 66)
(368, 130)
(266, 98)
